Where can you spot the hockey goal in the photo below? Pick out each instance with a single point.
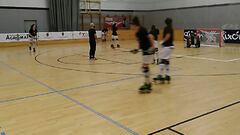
(210, 37)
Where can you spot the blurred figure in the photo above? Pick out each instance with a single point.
(145, 41)
(115, 41)
(92, 41)
(33, 37)
(155, 32)
(104, 34)
(166, 51)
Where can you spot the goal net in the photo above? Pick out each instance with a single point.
(210, 37)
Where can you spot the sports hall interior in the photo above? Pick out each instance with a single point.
(58, 91)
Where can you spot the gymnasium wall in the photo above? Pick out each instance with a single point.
(126, 5)
(24, 3)
(170, 4)
(12, 20)
(197, 17)
(14, 12)
(160, 4)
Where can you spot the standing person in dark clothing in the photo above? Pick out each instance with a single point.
(145, 42)
(115, 41)
(33, 38)
(92, 41)
(155, 32)
(166, 51)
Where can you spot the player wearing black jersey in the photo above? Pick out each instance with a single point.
(115, 41)
(166, 51)
(104, 34)
(92, 41)
(155, 32)
(33, 38)
(145, 42)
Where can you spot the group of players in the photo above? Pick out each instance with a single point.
(193, 40)
(148, 45)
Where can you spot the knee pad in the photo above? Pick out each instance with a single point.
(164, 61)
(167, 62)
(117, 39)
(145, 69)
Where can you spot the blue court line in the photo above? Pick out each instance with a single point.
(65, 90)
(74, 101)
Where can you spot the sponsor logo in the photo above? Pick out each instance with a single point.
(231, 35)
(17, 37)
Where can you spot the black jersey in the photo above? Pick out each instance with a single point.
(33, 33)
(143, 39)
(168, 30)
(105, 30)
(91, 33)
(155, 34)
(114, 30)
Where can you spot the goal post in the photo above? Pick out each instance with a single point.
(210, 37)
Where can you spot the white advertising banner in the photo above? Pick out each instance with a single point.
(13, 37)
(18, 37)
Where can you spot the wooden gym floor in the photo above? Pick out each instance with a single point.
(57, 91)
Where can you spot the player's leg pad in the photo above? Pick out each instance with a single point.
(145, 70)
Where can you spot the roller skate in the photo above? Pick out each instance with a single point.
(168, 79)
(146, 88)
(159, 79)
(118, 46)
(112, 46)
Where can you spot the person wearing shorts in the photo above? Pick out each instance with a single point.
(145, 41)
(166, 51)
(33, 38)
(104, 34)
(115, 40)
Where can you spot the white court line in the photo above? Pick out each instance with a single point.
(233, 60)
(202, 58)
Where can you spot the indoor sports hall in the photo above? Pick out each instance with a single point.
(119, 67)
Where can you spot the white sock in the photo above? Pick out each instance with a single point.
(167, 70)
(147, 77)
(162, 66)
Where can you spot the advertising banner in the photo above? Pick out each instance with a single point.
(18, 37)
(231, 36)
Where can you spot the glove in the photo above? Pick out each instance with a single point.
(134, 51)
(151, 50)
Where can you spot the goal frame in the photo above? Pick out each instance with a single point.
(216, 30)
